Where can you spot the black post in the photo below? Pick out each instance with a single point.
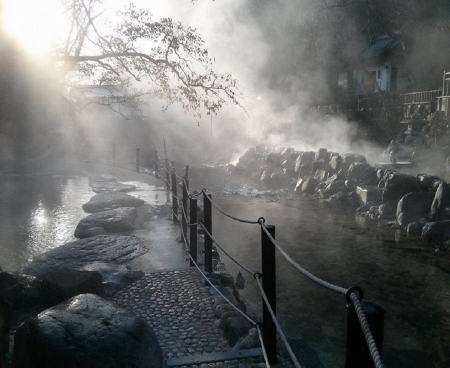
(5, 325)
(269, 285)
(137, 159)
(156, 164)
(166, 164)
(114, 154)
(186, 173)
(208, 225)
(193, 230)
(174, 197)
(185, 211)
(357, 352)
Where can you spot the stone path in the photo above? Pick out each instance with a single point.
(178, 307)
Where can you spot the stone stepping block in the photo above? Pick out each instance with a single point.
(108, 183)
(78, 254)
(86, 331)
(118, 220)
(110, 200)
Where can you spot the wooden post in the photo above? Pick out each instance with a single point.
(174, 197)
(269, 286)
(156, 164)
(137, 159)
(208, 225)
(193, 230)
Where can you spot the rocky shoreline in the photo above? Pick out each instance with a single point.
(418, 204)
(60, 313)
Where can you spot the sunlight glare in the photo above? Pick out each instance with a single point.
(35, 25)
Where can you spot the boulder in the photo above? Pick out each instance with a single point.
(223, 308)
(366, 207)
(388, 210)
(304, 158)
(114, 277)
(321, 174)
(334, 187)
(428, 182)
(440, 202)
(321, 154)
(235, 328)
(357, 170)
(78, 254)
(412, 207)
(336, 163)
(414, 228)
(298, 186)
(65, 283)
(108, 183)
(110, 200)
(309, 185)
(287, 153)
(21, 291)
(436, 232)
(305, 171)
(86, 331)
(348, 158)
(397, 185)
(113, 221)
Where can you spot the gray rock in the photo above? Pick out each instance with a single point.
(298, 186)
(236, 327)
(21, 291)
(321, 154)
(366, 207)
(436, 232)
(251, 341)
(113, 221)
(108, 183)
(398, 185)
(357, 171)
(349, 158)
(115, 277)
(65, 283)
(224, 317)
(110, 200)
(86, 331)
(304, 158)
(305, 171)
(223, 308)
(309, 185)
(414, 228)
(388, 210)
(80, 253)
(412, 207)
(440, 202)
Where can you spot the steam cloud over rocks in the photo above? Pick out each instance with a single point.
(418, 203)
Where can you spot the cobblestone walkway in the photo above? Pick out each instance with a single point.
(176, 305)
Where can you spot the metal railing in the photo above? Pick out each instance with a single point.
(418, 98)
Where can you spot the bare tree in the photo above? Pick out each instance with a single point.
(170, 58)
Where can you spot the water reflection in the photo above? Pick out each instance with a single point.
(38, 213)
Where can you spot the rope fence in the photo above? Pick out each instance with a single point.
(364, 319)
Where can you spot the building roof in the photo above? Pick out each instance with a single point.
(379, 46)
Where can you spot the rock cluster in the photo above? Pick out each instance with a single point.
(420, 204)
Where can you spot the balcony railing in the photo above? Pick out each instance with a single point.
(418, 98)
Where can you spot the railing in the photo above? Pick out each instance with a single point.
(365, 320)
(418, 98)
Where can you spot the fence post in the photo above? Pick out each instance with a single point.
(114, 154)
(193, 230)
(137, 159)
(357, 352)
(186, 173)
(174, 197)
(184, 212)
(269, 285)
(208, 225)
(5, 325)
(166, 164)
(156, 164)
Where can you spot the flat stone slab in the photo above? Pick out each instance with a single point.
(108, 183)
(118, 220)
(111, 200)
(78, 254)
(86, 331)
(178, 307)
